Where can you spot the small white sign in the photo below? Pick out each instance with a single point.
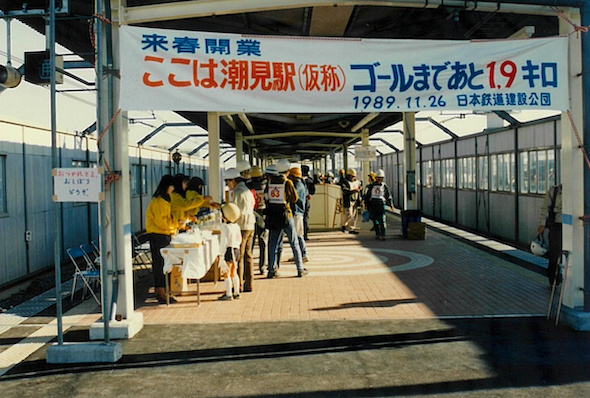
(365, 153)
(77, 185)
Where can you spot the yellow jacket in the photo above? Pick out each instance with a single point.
(159, 219)
(195, 199)
(180, 206)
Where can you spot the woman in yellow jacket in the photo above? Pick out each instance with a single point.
(194, 197)
(160, 225)
(178, 201)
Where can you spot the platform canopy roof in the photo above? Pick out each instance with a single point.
(427, 20)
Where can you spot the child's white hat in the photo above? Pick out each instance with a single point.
(230, 211)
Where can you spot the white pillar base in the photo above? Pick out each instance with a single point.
(118, 330)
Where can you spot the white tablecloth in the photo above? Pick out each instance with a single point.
(195, 261)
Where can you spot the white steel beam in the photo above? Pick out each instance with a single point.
(301, 134)
(364, 121)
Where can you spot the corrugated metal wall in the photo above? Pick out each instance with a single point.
(30, 204)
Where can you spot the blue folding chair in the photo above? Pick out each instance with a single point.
(85, 270)
(91, 254)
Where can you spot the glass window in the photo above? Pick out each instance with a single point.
(3, 206)
(459, 173)
(471, 172)
(523, 179)
(533, 178)
(512, 173)
(450, 173)
(501, 172)
(437, 179)
(426, 173)
(507, 175)
(79, 163)
(139, 179)
(483, 173)
(494, 172)
(550, 169)
(542, 171)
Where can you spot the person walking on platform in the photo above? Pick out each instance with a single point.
(258, 184)
(244, 199)
(350, 197)
(551, 219)
(298, 209)
(376, 198)
(160, 226)
(310, 192)
(280, 194)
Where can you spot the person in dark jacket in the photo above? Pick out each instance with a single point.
(551, 219)
(309, 183)
(280, 193)
(376, 198)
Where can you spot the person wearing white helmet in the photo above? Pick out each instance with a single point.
(350, 201)
(244, 199)
(280, 193)
(244, 167)
(376, 197)
(551, 219)
(271, 170)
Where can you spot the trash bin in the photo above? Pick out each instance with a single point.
(407, 217)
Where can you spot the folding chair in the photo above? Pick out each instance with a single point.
(96, 247)
(141, 253)
(91, 253)
(90, 275)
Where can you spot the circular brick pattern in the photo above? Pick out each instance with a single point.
(362, 261)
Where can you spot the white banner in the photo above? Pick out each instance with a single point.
(365, 153)
(200, 71)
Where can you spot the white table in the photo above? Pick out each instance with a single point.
(195, 261)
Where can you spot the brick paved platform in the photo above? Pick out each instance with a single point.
(355, 277)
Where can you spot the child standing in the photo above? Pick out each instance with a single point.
(230, 240)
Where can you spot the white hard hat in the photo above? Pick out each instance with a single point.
(271, 169)
(231, 173)
(380, 173)
(283, 165)
(243, 165)
(540, 245)
(230, 211)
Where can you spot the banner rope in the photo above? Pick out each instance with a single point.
(110, 176)
(577, 28)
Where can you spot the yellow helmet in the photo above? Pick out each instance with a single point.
(255, 171)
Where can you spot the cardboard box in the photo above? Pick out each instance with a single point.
(416, 231)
